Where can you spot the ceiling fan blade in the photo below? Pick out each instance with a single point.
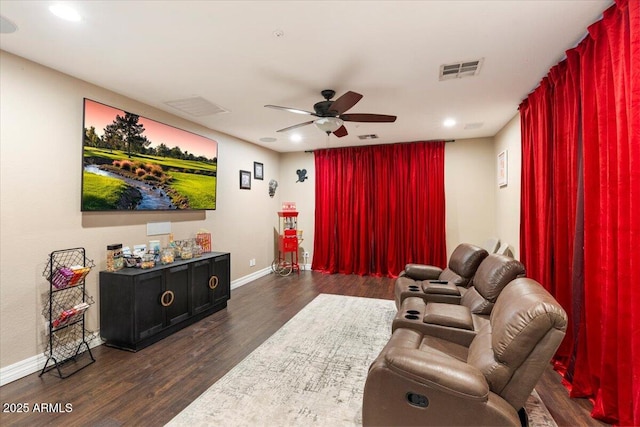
(345, 102)
(295, 126)
(340, 132)
(291, 110)
(371, 118)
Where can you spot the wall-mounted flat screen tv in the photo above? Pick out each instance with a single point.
(131, 162)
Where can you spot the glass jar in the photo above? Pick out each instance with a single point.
(115, 261)
(197, 250)
(167, 256)
(186, 251)
(148, 261)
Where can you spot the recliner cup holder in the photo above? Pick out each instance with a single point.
(411, 317)
(413, 312)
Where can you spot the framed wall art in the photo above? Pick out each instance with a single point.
(258, 170)
(245, 180)
(503, 169)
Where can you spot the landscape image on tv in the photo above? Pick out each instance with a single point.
(135, 163)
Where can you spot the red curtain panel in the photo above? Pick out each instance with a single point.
(379, 207)
(587, 115)
(536, 184)
(565, 152)
(609, 221)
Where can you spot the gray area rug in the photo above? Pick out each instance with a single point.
(312, 371)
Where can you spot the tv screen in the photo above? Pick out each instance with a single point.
(131, 162)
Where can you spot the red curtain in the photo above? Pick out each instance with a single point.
(379, 207)
(610, 223)
(565, 107)
(586, 114)
(536, 184)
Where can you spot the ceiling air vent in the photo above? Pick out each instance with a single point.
(371, 136)
(459, 70)
(197, 106)
(476, 125)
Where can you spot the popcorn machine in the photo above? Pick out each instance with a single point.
(288, 241)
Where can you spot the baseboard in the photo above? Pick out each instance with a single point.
(36, 363)
(29, 366)
(250, 278)
(260, 273)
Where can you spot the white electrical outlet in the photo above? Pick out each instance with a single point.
(252, 262)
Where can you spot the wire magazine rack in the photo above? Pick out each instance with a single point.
(64, 311)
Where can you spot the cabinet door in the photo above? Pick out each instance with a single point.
(222, 273)
(149, 313)
(176, 294)
(202, 272)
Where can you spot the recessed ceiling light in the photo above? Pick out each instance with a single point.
(296, 137)
(65, 12)
(449, 123)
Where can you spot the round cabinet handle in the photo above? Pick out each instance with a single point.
(213, 282)
(163, 299)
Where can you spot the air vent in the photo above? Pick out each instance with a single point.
(372, 136)
(460, 69)
(476, 125)
(197, 106)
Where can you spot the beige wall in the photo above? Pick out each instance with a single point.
(469, 181)
(303, 193)
(40, 175)
(508, 198)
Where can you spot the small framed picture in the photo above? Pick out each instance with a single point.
(258, 170)
(245, 180)
(502, 169)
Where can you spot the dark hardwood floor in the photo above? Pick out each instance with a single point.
(153, 385)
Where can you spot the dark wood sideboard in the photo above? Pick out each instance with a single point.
(141, 306)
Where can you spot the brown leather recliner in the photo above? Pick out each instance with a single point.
(463, 263)
(422, 380)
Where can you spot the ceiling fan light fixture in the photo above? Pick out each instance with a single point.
(328, 124)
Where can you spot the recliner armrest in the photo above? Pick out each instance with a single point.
(440, 372)
(422, 271)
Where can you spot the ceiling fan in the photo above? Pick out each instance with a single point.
(331, 113)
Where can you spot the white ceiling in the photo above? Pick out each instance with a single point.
(389, 51)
